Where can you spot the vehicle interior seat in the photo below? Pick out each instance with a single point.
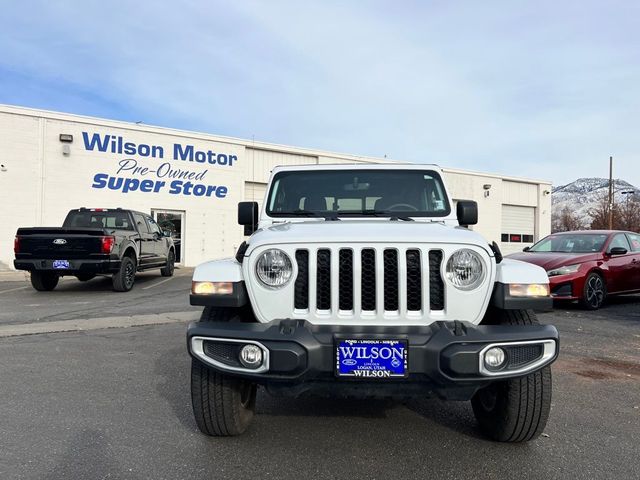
(315, 204)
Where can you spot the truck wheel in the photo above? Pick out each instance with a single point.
(514, 410)
(594, 292)
(85, 277)
(222, 405)
(44, 281)
(126, 276)
(167, 270)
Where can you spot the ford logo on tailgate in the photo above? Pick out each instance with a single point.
(59, 241)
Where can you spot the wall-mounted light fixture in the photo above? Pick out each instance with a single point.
(3, 168)
(486, 187)
(66, 139)
(546, 192)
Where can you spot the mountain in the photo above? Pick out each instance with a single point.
(584, 194)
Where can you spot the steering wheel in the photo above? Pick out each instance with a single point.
(403, 207)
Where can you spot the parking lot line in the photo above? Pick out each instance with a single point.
(159, 283)
(12, 290)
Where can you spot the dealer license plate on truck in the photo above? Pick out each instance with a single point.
(60, 264)
(371, 359)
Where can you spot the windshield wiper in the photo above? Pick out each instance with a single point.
(309, 213)
(391, 215)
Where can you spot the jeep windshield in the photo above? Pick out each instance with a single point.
(357, 193)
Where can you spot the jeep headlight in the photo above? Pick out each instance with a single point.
(465, 269)
(274, 268)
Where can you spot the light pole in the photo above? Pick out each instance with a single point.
(627, 194)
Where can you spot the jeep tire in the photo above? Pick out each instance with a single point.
(44, 281)
(222, 405)
(514, 410)
(124, 279)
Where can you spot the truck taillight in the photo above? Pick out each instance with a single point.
(107, 244)
(16, 245)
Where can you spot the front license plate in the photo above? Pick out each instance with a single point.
(60, 264)
(371, 359)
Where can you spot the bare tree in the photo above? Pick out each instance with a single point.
(600, 214)
(629, 214)
(566, 220)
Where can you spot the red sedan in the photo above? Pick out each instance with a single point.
(588, 265)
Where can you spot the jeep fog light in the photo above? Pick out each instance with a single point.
(274, 268)
(494, 358)
(465, 269)
(212, 288)
(251, 356)
(529, 290)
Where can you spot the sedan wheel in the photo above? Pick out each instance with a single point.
(595, 291)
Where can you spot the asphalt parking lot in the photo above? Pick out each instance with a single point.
(72, 299)
(114, 403)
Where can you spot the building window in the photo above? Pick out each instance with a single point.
(516, 238)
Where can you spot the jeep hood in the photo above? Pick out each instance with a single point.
(365, 231)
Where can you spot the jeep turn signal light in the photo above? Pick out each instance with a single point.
(212, 288)
(529, 290)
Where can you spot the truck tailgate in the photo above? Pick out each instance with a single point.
(60, 243)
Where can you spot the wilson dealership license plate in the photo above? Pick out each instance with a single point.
(60, 264)
(371, 359)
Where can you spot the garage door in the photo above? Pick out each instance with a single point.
(255, 192)
(518, 228)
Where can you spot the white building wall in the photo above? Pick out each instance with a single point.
(39, 184)
(20, 179)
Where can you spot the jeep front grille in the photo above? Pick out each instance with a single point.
(368, 280)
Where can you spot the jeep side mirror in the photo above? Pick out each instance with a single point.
(248, 216)
(467, 212)
(618, 251)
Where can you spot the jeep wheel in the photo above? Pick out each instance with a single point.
(594, 292)
(126, 276)
(44, 281)
(167, 270)
(222, 405)
(514, 410)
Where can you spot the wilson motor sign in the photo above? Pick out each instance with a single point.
(179, 170)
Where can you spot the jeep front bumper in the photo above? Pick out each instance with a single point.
(445, 358)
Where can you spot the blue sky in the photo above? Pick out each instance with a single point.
(543, 89)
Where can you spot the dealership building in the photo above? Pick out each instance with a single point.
(191, 182)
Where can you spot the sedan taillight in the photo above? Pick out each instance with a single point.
(107, 244)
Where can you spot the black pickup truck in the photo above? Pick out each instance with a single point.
(94, 241)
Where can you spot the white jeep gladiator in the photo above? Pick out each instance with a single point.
(362, 280)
